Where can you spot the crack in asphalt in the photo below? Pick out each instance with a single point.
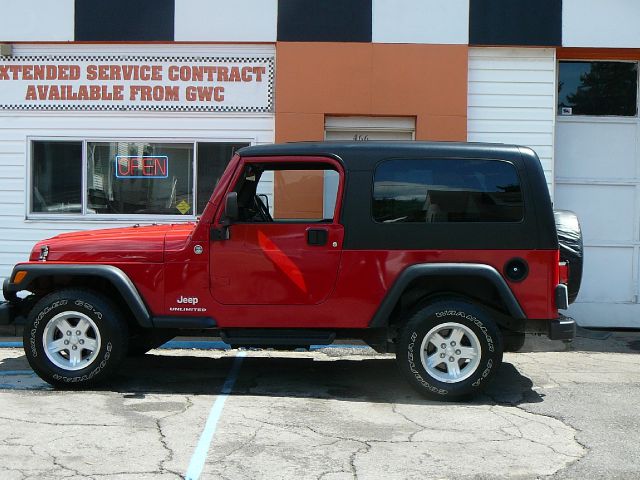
(352, 459)
(56, 462)
(586, 449)
(60, 424)
(59, 467)
(20, 472)
(164, 440)
(520, 425)
(421, 428)
(576, 459)
(243, 444)
(514, 410)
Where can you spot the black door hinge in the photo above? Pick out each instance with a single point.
(219, 234)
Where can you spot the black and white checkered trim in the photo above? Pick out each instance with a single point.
(272, 74)
(133, 58)
(146, 108)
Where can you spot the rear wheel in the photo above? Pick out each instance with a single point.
(449, 350)
(74, 338)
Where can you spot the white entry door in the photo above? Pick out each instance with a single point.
(598, 176)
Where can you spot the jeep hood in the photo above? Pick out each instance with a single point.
(130, 244)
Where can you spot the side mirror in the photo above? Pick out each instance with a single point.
(231, 211)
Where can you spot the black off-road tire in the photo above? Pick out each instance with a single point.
(571, 248)
(434, 317)
(112, 333)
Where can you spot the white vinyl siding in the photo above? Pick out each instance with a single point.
(237, 21)
(512, 98)
(598, 23)
(421, 21)
(36, 20)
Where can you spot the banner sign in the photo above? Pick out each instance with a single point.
(214, 84)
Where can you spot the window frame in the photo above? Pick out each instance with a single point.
(84, 216)
(610, 118)
(314, 160)
(522, 220)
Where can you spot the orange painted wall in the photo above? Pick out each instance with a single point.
(428, 82)
(298, 194)
(314, 80)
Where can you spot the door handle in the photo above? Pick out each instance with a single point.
(317, 236)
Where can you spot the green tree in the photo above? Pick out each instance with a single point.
(608, 88)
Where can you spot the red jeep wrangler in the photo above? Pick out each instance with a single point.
(446, 254)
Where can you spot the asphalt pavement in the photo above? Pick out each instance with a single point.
(335, 413)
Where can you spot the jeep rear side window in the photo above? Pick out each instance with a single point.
(445, 191)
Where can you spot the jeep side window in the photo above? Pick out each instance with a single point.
(447, 190)
(272, 193)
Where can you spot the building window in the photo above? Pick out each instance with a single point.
(56, 185)
(441, 191)
(124, 178)
(139, 178)
(212, 161)
(598, 88)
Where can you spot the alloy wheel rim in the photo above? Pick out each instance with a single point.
(450, 352)
(71, 341)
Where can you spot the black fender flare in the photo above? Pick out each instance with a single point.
(113, 275)
(381, 317)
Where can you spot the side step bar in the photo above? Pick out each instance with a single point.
(275, 337)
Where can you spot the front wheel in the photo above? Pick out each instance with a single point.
(74, 338)
(449, 349)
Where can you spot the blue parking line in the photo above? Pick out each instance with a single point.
(339, 345)
(196, 344)
(208, 345)
(211, 345)
(14, 373)
(200, 454)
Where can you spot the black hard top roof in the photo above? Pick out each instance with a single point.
(364, 155)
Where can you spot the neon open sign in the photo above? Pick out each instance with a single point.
(142, 166)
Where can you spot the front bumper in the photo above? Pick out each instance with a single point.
(9, 289)
(12, 309)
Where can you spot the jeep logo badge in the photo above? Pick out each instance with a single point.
(189, 300)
